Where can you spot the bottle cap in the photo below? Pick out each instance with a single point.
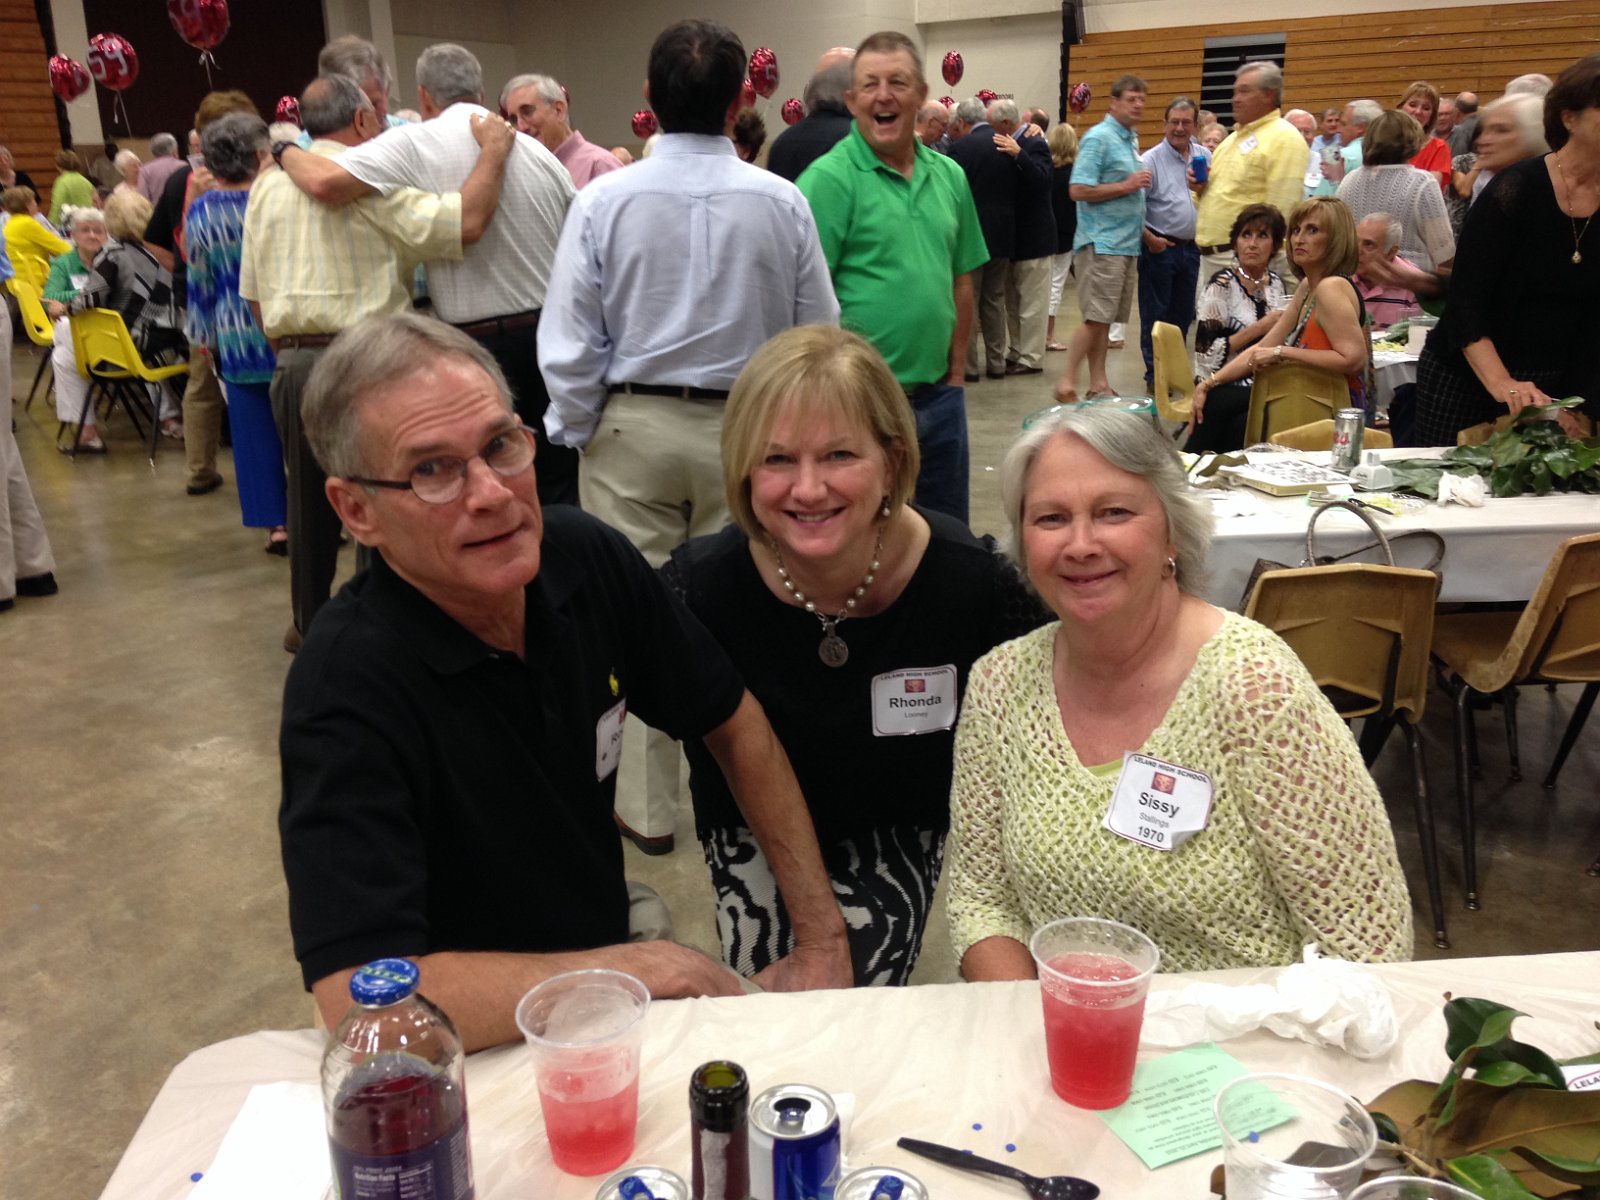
(386, 981)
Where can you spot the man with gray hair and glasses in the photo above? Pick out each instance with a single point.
(496, 292)
(538, 105)
(1263, 161)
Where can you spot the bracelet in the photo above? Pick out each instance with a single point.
(1277, 354)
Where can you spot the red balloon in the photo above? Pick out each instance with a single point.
(112, 61)
(948, 101)
(953, 68)
(288, 110)
(793, 111)
(1078, 97)
(68, 79)
(201, 23)
(764, 71)
(747, 95)
(644, 123)
(988, 95)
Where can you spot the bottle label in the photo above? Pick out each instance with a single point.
(440, 1170)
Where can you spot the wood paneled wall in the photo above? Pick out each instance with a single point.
(28, 125)
(1332, 60)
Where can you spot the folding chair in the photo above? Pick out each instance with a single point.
(1174, 373)
(40, 332)
(110, 361)
(1319, 436)
(1284, 395)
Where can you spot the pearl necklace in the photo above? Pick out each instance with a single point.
(832, 650)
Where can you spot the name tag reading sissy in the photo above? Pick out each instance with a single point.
(916, 700)
(1158, 804)
(608, 739)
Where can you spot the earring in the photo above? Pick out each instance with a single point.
(1172, 566)
(885, 510)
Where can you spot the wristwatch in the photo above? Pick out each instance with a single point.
(279, 147)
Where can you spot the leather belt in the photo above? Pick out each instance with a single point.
(1225, 248)
(305, 341)
(916, 393)
(522, 320)
(1176, 241)
(662, 389)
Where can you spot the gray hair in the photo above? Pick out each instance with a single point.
(1004, 110)
(1364, 112)
(356, 58)
(230, 143)
(1530, 85)
(971, 111)
(829, 85)
(282, 131)
(365, 360)
(1130, 443)
(449, 73)
(162, 145)
(1526, 110)
(124, 158)
(549, 90)
(1392, 229)
(1269, 77)
(85, 214)
(330, 103)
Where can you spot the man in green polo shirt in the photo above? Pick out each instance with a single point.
(900, 233)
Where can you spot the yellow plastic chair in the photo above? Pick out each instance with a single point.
(1555, 639)
(1284, 395)
(1174, 373)
(110, 361)
(1319, 436)
(39, 329)
(1363, 631)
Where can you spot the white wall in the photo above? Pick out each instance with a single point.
(1018, 56)
(1104, 16)
(72, 39)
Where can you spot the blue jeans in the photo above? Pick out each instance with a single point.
(941, 413)
(1167, 285)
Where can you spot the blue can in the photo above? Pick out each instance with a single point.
(1201, 166)
(794, 1144)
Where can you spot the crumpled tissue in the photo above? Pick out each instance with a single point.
(1324, 1001)
(1470, 490)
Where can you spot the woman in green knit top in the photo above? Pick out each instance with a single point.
(1293, 845)
(71, 189)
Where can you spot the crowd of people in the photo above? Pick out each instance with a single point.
(724, 488)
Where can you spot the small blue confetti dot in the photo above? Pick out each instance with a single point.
(977, 1124)
(966, 1152)
(1011, 1147)
(35, 908)
(1254, 1136)
(197, 1177)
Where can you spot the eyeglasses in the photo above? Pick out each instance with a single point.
(441, 480)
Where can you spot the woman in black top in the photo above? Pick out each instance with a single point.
(854, 619)
(1063, 140)
(1524, 313)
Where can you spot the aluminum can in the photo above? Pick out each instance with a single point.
(794, 1144)
(1201, 166)
(1348, 424)
(880, 1183)
(635, 1183)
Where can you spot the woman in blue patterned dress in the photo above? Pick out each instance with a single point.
(235, 149)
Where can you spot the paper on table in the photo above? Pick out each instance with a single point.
(1582, 1077)
(276, 1148)
(1168, 1116)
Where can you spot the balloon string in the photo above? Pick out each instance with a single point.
(208, 60)
(118, 111)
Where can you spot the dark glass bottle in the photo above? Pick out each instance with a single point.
(719, 1132)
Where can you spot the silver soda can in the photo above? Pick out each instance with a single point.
(794, 1144)
(1348, 424)
(880, 1183)
(643, 1183)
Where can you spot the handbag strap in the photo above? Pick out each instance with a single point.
(1311, 531)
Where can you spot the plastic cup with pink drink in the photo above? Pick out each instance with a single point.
(1094, 975)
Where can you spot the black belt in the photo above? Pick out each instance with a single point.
(665, 389)
(1176, 241)
(916, 393)
(1225, 248)
(305, 341)
(522, 320)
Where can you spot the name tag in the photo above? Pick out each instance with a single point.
(1158, 804)
(916, 700)
(1248, 144)
(608, 739)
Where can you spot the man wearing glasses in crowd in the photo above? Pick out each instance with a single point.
(452, 725)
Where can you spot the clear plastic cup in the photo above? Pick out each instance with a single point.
(1286, 1137)
(584, 1029)
(1409, 1187)
(1094, 975)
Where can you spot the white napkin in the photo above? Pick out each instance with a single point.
(1470, 490)
(276, 1148)
(1324, 1001)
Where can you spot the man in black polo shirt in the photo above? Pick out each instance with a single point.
(452, 725)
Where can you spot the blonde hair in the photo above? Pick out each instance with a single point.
(819, 370)
(1063, 142)
(1343, 246)
(1422, 88)
(127, 214)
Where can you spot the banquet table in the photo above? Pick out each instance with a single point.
(1391, 370)
(933, 1061)
(1497, 552)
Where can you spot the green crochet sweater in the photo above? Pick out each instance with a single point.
(1298, 848)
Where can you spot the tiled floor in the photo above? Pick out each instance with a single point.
(144, 908)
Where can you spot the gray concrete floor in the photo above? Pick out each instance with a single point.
(144, 912)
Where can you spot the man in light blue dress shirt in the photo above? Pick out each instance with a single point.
(1169, 261)
(667, 278)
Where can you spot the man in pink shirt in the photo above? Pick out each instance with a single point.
(538, 104)
(1378, 239)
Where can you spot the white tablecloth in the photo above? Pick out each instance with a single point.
(1391, 369)
(1497, 552)
(927, 1062)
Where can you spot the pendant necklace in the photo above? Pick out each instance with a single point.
(1577, 234)
(832, 650)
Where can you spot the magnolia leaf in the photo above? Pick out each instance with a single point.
(1505, 1074)
(1487, 1177)
(1487, 1026)
(1562, 460)
(1557, 1124)
(1582, 1171)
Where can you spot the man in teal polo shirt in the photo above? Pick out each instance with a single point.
(1108, 182)
(900, 233)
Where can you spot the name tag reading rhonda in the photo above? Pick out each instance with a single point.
(916, 700)
(608, 739)
(1158, 804)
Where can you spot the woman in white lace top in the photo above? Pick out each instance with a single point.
(1387, 182)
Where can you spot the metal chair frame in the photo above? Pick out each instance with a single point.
(109, 360)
